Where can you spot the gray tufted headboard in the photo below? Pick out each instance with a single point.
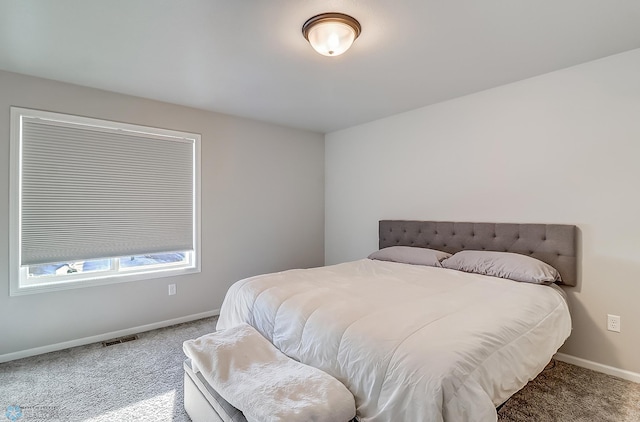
(554, 244)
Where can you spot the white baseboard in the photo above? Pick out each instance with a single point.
(106, 336)
(599, 367)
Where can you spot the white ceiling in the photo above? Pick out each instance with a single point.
(248, 57)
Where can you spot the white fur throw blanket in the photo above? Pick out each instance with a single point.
(262, 382)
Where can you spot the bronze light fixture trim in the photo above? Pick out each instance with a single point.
(331, 34)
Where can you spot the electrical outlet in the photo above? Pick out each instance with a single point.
(172, 289)
(613, 323)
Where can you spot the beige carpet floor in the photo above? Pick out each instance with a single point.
(136, 381)
(142, 381)
(565, 392)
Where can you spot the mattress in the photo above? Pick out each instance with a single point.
(410, 342)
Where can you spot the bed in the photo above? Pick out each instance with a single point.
(416, 342)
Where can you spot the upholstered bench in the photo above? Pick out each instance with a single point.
(238, 375)
(203, 403)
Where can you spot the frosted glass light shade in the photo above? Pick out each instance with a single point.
(331, 34)
(331, 38)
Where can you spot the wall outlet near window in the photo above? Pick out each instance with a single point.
(172, 289)
(613, 323)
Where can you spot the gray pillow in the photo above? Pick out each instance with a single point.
(503, 264)
(410, 255)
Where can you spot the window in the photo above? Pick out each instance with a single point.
(97, 202)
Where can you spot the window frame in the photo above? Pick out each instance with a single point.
(18, 274)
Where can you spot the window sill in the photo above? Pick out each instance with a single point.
(97, 280)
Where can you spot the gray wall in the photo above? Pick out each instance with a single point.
(262, 211)
(560, 148)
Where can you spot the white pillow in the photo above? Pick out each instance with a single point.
(503, 264)
(410, 255)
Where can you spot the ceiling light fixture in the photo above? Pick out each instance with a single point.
(331, 34)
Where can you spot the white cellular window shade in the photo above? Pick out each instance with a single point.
(94, 192)
(85, 189)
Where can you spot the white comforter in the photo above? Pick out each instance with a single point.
(411, 343)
